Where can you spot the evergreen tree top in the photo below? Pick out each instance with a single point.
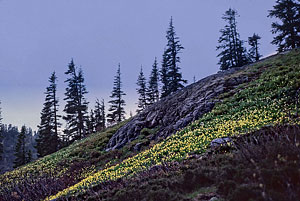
(288, 29)
(116, 109)
(71, 68)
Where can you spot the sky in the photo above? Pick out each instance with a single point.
(39, 37)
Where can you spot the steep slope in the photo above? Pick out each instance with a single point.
(242, 171)
(177, 110)
(268, 100)
(59, 170)
(248, 99)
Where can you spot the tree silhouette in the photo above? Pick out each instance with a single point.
(288, 31)
(233, 53)
(116, 110)
(141, 90)
(76, 107)
(47, 141)
(20, 150)
(152, 89)
(100, 118)
(254, 54)
(171, 77)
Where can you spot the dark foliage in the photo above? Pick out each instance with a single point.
(76, 107)
(141, 90)
(10, 137)
(170, 73)
(116, 109)
(100, 117)
(47, 141)
(288, 30)
(233, 52)
(152, 89)
(254, 54)
(22, 155)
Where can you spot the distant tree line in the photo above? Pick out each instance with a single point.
(22, 152)
(18, 147)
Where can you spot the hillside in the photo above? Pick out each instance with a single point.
(163, 147)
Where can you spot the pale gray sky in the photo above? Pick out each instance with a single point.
(38, 37)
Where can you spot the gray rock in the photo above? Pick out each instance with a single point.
(220, 141)
(214, 199)
(137, 147)
(177, 110)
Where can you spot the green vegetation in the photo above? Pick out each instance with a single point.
(60, 169)
(266, 101)
(243, 171)
(82, 169)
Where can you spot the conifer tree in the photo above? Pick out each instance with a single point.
(288, 31)
(171, 60)
(1, 135)
(100, 119)
(76, 107)
(254, 54)
(233, 53)
(91, 123)
(20, 150)
(28, 157)
(116, 110)
(141, 90)
(152, 90)
(47, 141)
(103, 122)
(164, 76)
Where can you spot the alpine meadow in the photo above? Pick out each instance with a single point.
(123, 115)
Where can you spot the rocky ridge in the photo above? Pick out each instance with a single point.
(177, 110)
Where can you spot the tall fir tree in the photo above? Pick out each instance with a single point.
(233, 53)
(164, 78)
(91, 123)
(76, 108)
(152, 89)
(141, 90)
(82, 106)
(100, 118)
(28, 157)
(171, 62)
(103, 122)
(47, 141)
(288, 30)
(20, 149)
(116, 110)
(1, 134)
(254, 54)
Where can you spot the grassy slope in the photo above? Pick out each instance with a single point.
(265, 101)
(245, 171)
(60, 169)
(84, 164)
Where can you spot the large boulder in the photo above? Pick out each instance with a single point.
(179, 109)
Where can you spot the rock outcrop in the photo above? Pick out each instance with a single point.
(177, 110)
